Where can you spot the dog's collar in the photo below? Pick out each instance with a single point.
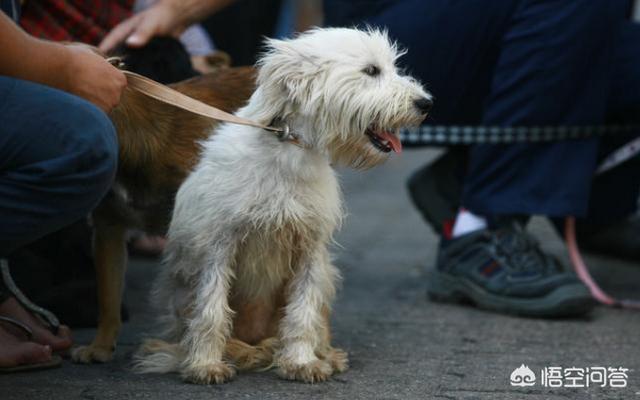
(284, 133)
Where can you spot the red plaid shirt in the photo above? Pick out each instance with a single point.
(86, 21)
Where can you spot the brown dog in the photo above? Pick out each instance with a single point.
(159, 145)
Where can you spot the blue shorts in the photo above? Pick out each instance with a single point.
(58, 156)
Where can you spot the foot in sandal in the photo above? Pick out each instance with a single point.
(40, 326)
(42, 335)
(19, 353)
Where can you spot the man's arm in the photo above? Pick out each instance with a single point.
(164, 18)
(72, 68)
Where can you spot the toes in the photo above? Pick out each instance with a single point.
(311, 372)
(65, 339)
(65, 333)
(59, 342)
(217, 373)
(14, 351)
(33, 353)
(24, 353)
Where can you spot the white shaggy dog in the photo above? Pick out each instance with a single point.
(248, 281)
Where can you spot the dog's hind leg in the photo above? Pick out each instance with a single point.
(302, 328)
(209, 324)
(246, 357)
(110, 256)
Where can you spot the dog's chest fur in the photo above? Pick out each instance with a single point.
(269, 253)
(284, 200)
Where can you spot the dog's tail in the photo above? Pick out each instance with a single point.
(160, 357)
(157, 356)
(246, 357)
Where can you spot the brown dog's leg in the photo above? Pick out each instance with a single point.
(110, 256)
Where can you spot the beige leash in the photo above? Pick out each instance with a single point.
(170, 96)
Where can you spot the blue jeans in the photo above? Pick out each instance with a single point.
(58, 156)
(521, 62)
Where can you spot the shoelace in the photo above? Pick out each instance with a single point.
(521, 250)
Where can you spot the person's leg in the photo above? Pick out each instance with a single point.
(623, 107)
(555, 68)
(57, 159)
(58, 155)
(612, 223)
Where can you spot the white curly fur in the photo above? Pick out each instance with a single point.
(256, 212)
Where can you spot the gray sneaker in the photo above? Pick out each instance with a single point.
(506, 271)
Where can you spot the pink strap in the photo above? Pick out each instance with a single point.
(583, 272)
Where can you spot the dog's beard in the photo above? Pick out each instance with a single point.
(356, 151)
(363, 144)
(368, 145)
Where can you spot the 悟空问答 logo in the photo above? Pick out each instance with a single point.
(523, 376)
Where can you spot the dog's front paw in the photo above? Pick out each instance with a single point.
(338, 358)
(311, 372)
(216, 373)
(92, 353)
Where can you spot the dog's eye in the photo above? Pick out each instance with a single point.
(371, 70)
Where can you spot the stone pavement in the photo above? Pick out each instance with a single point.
(401, 346)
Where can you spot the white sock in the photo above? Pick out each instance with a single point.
(467, 222)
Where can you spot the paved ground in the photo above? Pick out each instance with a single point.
(401, 346)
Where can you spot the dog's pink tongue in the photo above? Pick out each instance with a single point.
(394, 141)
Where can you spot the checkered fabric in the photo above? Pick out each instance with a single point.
(429, 135)
(86, 21)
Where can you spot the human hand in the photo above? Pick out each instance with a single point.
(164, 18)
(90, 76)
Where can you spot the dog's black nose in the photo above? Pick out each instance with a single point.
(423, 104)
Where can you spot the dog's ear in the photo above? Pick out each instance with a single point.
(285, 70)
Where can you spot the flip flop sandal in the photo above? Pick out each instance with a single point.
(8, 289)
(56, 360)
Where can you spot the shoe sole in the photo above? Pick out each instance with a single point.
(565, 301)
(55, 362)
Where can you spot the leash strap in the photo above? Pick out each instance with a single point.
(167, 95)
(583, 271)
(619, 156)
